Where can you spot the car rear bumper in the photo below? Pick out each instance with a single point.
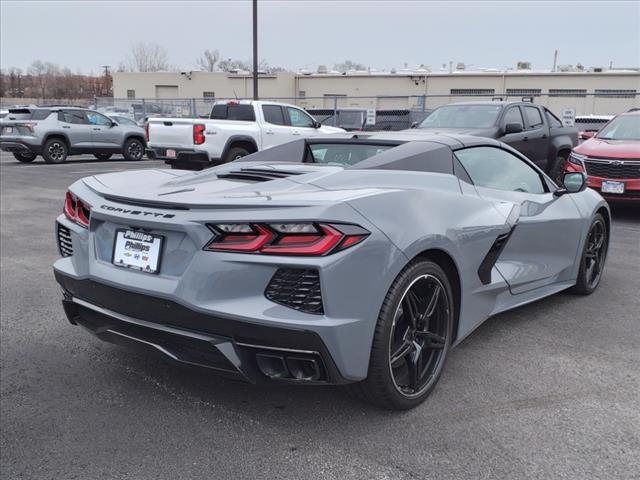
(184, 159)
(248, 352)
(17, 146)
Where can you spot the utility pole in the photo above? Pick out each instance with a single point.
(255, 49)
(106, 79)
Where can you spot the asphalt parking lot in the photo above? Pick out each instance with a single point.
(550, 390)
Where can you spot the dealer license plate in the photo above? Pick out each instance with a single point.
(612, 187)
(138, 250)
(7, 130)
(170, 153)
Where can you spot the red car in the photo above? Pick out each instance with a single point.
(611, 158)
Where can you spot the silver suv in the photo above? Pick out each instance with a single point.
(57, 132)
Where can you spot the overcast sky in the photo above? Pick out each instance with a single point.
(303, 34)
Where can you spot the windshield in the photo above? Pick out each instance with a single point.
(344, 153)
(462, 116)
(626, 127)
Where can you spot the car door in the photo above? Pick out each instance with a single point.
(105, 134)
(276, 129)
(518, 140)
(537, 135)
(302, 125)
(543, 243)
(77, 128)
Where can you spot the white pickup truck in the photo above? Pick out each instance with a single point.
(234, 129)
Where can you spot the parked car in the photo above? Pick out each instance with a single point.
(57, 132)
(122, 119)
(349, 119)
(234, 129)
(529, 128)
(282, 268)
(611, 159)
(588, 125)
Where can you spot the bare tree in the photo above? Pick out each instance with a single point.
(208, 60)
(148, 57)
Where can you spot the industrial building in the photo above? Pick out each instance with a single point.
(588, 92)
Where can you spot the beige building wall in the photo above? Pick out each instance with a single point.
(389, 90)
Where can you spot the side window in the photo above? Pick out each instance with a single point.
(513, 115)
(533, 117)
(273, 114)
(492, 167)
(97, 119)
(74, 116)
(297, 118)
(552, 119)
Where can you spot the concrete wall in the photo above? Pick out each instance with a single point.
(389, 91)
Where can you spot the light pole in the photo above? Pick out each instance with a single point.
(255, 49)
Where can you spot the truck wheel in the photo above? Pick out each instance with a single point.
(133, 149)
(236, 153)
(557, 170)
(25, 157)
(55, 151)
(102, 156)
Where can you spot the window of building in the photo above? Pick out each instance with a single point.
(567, 92)
(209, 96)
(615, 93)
(302, 93)
(472, 91)
(523, 92)
(131, 94)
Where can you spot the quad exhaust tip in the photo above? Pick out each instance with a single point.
(288, 368)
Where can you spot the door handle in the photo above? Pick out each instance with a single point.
(295, 132)
(269, 132)
(96, 129)
(66, 126)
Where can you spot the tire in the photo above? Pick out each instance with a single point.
(25, 157)
(556, 172)
(133, 149)
(594, 255)
(103, 156)
(236, 153)
(55, 150)
(389, 383)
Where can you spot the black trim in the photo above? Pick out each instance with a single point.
(165, 314)
(20, 147)
(490, 259)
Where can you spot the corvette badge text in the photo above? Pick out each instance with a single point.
(137, 212)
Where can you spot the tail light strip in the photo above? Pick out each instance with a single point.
(76, 210)
(303, 239)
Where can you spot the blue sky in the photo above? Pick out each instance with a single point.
(296, 34)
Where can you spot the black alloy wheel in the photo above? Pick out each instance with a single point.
(419, 336)
(411, 340)
(593, 257)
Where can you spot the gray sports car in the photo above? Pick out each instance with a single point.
(346, 260)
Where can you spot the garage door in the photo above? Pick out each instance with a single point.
(166, 91)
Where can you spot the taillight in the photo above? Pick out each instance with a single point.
(28, 126)
(198, 134)
(146, 131)
(307, 239)
(76, 210)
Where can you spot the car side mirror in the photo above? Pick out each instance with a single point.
(586, 135)
(513, 128)
(415, 124)
(572, 182)
(316, 124)
(113, 124)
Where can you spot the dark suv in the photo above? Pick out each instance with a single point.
(57, 132)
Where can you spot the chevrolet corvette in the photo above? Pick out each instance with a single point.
(357, 260)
